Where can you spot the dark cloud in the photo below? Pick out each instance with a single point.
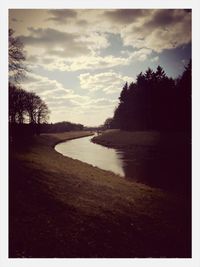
(166, 17)
(153, 17)
(46, 36)
(125, 15)
(61, 16)
(56, 42)
(159, 29)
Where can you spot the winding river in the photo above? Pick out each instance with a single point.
(84, 150)
(146, 164)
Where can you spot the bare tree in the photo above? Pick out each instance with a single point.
(17, 68)
(42, 114)
(25, 105)
(36, 108)
(108, 123)
(17, 100)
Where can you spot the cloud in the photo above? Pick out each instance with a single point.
(101, 103)
(56, 42)
(107, 82)
(124, 16)
(96, 62)
(159, 30)
(75, 47)
(62, 100)
(51, 91)
(141, 54)
(90, 62)
(62, 16)
(155, 59)
(42, 85)
(80, 32)
(62, 44)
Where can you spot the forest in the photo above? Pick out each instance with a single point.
(154, 102)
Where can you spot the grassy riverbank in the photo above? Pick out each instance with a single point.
(128, 140)
(61, 207)
(159, 159)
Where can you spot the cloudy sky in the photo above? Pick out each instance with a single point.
(80, 59)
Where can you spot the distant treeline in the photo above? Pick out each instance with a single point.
(58, 127)
(155, 102)
(25, 130)
(26, 107)
(27, 111)
(28, 115)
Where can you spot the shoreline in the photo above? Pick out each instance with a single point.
(127, 140)
(68, 139)
(152, 152)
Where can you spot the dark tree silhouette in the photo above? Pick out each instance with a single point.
(64, 126)
(36, 108)
(184, 101)
(17, 100)
(155, 102)
(108, 123)
(24, 107)
(42, 114)
(17, 68)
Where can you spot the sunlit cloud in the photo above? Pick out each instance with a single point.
(108, 82)
(89, 62)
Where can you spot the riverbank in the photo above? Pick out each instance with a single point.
(127, 140)
(60, 207)
(159, 159)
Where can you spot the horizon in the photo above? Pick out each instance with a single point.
(79, 70)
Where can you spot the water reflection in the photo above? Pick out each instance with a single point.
(96, 155)
(167, 168)
(164, 167)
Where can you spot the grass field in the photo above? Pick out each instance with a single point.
(60, 207)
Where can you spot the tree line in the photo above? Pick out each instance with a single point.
(28, 113)
(26, 109)
(154, 102)
(63, 126)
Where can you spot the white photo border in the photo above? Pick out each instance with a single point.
(103, 4)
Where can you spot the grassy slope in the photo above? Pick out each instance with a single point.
(162, 159)
(125, 139)
(61, 207)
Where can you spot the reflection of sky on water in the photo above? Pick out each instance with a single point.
(96, 155)
(167, 168)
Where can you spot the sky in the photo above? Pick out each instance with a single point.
(79, 60)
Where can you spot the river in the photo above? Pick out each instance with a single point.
(84, 150)
(146, 164)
